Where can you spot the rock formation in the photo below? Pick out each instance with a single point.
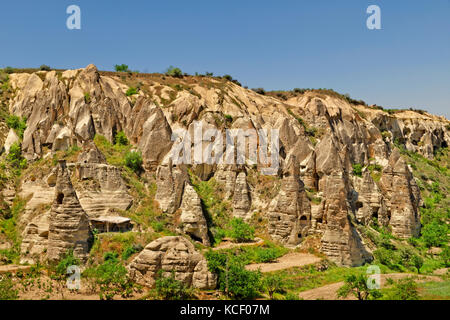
(290, 212)
(192, 220)
(69, 224)
(172, 254)
(325, 134)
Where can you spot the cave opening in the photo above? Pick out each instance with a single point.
(60, 198)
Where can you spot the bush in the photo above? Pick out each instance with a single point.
(131, 91)
(241, 231)
(233, 279)
(121, 68)
(260, 91)
(435, 234)
(8, 70)
(174, 72)
(15, 158)
(445, 256)
(44, 67)
(111, 276)
(169, 288)
(357, 286)
(130, 250)
(357, 170)
(61, 268)
(7, 291)
(273, 283)
(404, 289)
(16, 123)
(133, 160)
(121, 139)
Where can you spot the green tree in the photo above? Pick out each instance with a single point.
(435, 234)
(121, 139)
(273, 283)
(133, 160)
(241, 231)
(121, 68)
(169, 288)
(357, 169)
(19, 125)
(357, 286)
(15, 158)
(174, 72)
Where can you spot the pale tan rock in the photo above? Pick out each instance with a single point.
(193, 222)
(172, 254)
(69, 224)
(10, 140)
(290, 212)
(241, 197)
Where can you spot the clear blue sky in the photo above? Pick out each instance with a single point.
(270, 44)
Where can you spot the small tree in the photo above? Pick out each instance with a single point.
(241, 231)
(357, 169)
(169, 288)
(273, 283)
(15, 158)
(44, 67)
(133, 160)
(121, 68)
(174, 72)
(357, 285)
(121, 139)
(435, 234)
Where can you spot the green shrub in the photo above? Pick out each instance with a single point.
(241, 231)
(87, 97)
(233, 279)
(19, 125)
(121, 139)
(121, 68)
(403, 289)
(174, 72)
(7, 290)
(133, 160)
(15, 158)
(259, 91)
(169, 288)
(273, 283)
(44, 67)
(130, 250)
(357, 286)
(131, 91)
(9, 70)
(111, 276)
(435, 234)
(61, 268)
(357, 169)
(445, 256)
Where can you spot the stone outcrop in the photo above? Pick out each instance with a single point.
(323, 133)
(169, 254)
(192, 220)
(241, 197)
(403, 196)
(290, 212)
(69, 224)
(170, 181)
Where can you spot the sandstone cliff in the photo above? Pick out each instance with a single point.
(323, 139)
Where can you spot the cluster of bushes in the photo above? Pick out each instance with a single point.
(111, 278)
(259, 91)
(230, 78)
(169, 288)
(18, 124)
(233, 279)
(15, 158)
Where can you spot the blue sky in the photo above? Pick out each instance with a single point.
(271, 44)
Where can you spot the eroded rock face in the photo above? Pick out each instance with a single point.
(170, 181)
(324, 133)
(403, 195)
(172, 254)
(241, 197)
(192, 220)
(290, 212)
(69, 224)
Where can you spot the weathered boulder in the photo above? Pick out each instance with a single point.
(10, 140)
(69, 224)
(169, 254)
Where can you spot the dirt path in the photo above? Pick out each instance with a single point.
(227, 244)
(294, 259)
(329, 291)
